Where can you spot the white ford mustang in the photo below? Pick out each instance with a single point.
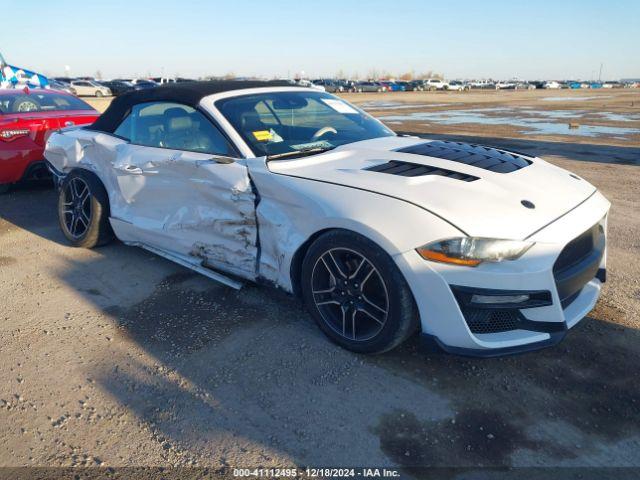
(485, 251)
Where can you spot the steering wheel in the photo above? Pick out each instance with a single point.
(323, 131)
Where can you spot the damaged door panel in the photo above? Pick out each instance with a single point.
(197, 206)
(189, 203)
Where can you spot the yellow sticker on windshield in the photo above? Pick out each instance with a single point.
(262, 135)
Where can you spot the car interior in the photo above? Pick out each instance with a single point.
(173, 126)
(290, 123)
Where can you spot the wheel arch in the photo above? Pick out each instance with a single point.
(93, 173)
(297, 259)
(295, 269)
(97, 230)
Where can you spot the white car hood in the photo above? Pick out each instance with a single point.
(490, 206)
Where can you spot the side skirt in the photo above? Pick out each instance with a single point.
(212, 274)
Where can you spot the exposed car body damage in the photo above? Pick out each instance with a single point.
(292, 209)
(254, 216)
(195, 207)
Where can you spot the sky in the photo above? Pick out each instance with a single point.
(532, 39)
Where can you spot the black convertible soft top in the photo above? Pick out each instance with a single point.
(187, 93)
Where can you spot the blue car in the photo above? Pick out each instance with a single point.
(393, 87)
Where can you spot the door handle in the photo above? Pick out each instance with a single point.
(131, 169)
(216, 159)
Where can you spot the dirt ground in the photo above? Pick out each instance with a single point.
(116, 357)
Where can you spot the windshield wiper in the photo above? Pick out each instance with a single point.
(299, 153)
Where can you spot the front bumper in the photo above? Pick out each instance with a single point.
(572, 294)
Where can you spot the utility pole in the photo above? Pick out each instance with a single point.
(600, 75)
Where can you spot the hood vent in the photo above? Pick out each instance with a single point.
(405, 169)
(487, 158)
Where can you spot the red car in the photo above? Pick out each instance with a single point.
(26, 118)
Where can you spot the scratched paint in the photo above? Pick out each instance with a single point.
(181, 202)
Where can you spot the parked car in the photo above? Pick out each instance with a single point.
(329, 85)
(483, 84)
(414, 86)
(60, 86)
(118, 87)
(391, 86)
(143, 84)
(457, 86)
(505, 85)
(486, 251)
(347, 85)
(88, 88)
(308, 83)
(26, 117)
(435, 84)
(404, 85)
(66, 80)
(370, 87)
(163, 80)
(524, 86)
(551, 85)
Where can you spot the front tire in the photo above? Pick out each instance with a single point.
(98, 94)
(356, 293)
(83, 210)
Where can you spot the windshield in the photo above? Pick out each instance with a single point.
(20, 102)
(288, 122)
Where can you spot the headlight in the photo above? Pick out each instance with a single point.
(472, 251)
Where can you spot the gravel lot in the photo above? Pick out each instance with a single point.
(115, 357)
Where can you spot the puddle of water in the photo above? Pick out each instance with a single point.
(398, 105)
(555, 114)
(563, 114)
(574, 99)
(620, 117)
(548, 128)
(533, 125)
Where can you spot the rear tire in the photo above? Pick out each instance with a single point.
(83, 210)
(356, 293)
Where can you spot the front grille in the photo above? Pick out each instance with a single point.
(578, 263)
(491, 321)
(576, 250)
(406, 169)
(479, 156)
